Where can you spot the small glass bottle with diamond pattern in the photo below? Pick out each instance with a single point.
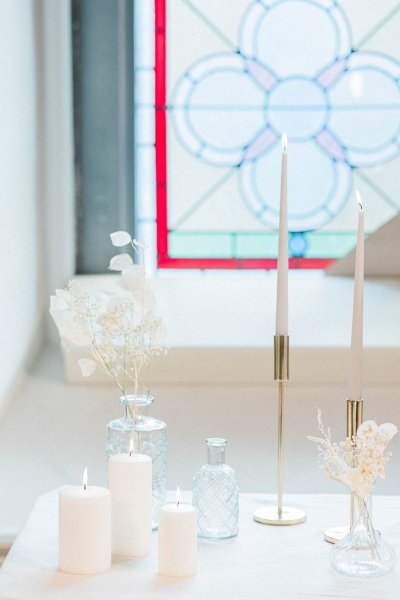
(216, 495)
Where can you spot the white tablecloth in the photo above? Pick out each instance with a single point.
(262, 562)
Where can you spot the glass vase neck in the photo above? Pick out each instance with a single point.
(362, 512)
(136, 406)
(216, 451)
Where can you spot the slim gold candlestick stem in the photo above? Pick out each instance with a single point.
(354, 420)
(280, 448)
(280, 515)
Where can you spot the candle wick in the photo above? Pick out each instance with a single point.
(177, 503)
(130, 453)
(84, 486)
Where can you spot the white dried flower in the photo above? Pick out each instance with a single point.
(70, 330)
(120, 328)
(356, 462)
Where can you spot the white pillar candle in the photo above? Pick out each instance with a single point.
(283, 256)
(130, 483)
(177, 540)
(356, 353)
(84, 529)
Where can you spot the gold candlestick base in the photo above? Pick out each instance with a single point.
(270, 515)
(335, 534)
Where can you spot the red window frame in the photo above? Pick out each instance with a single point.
(163, 258)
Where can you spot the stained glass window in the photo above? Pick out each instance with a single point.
(216, 87)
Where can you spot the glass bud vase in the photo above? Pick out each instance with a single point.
(363, 552)
(148, 435)
(216, 495)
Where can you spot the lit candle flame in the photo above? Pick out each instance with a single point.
(358, 200)
(284, 142)
(84, 479)
(131, 446)
(178, 495)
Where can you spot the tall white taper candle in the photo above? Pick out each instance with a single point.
(282, 277)
(356, 353)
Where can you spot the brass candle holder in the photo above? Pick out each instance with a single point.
(354, 420)
(280, 515)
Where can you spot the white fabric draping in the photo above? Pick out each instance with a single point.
(262, 562)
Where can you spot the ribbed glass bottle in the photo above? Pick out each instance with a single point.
(216, 495)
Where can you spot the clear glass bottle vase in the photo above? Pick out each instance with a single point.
(148, 435)
(216, 495)
(363, 552)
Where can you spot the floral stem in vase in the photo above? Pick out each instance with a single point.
(367, 522)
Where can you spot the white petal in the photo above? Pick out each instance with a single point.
(389, 430)
(63, 295)
(116, 301)
(57, 303)
(59, 311)
(133, 278)
(139, 244)
(120, 238)
(59, 317)
(72, 333)
(102, 297)
(367, 427)
(120, 262)
(87, 366)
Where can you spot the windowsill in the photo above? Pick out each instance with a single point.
(220, 328)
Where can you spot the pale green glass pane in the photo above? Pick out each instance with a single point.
(261, 245)
(329, 245)
(223, 245)
(206, 245)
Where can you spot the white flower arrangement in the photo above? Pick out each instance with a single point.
(120, 327)
(357, 462)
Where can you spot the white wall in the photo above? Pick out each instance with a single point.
(19, 303)
(53, 33)
(36, 176)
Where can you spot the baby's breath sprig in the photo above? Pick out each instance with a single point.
(120, 329)
(356, 462)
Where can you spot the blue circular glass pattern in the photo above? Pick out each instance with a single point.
(298, 244)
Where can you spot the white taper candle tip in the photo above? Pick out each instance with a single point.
(284, 142)
(359, 200)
